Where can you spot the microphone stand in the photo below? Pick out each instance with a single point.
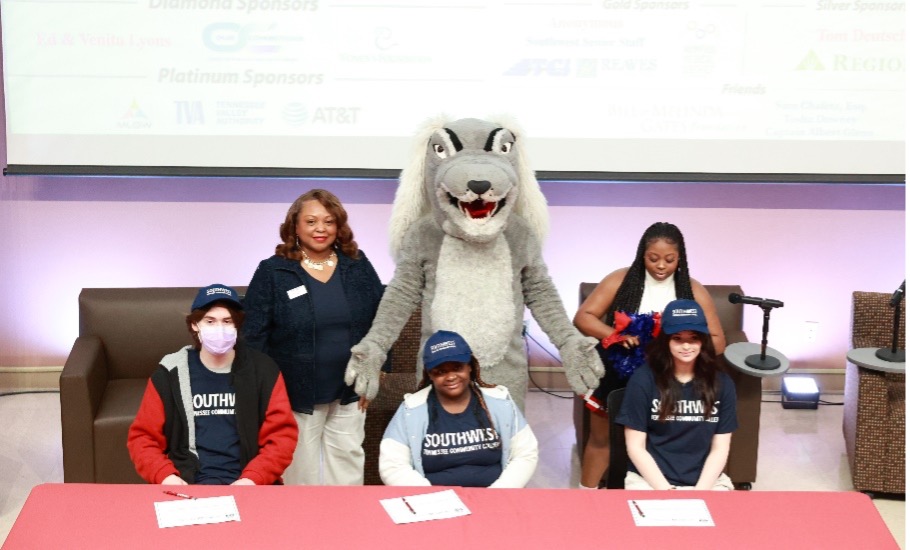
(761, 361)
(893, 355)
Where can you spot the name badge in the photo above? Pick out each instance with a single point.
(296, 292)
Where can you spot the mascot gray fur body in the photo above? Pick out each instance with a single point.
(466, 227)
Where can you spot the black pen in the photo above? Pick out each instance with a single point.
(408, 504)
(181, 495)
(640, 513)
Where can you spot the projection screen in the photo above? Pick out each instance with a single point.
(609, 86)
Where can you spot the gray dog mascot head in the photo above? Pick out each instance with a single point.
(472, 175)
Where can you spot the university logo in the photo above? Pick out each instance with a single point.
(218, 290)
(435, 348)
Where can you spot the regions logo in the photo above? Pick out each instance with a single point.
(850, 63)
(811, 62)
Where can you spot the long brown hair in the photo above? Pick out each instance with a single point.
(660, 360)
(344, 239)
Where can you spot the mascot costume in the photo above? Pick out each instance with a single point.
(466, 230)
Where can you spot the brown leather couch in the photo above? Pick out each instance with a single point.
(123, 333)
(741, 464)
(875, 401)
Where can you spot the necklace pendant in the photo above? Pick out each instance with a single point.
(318, 266)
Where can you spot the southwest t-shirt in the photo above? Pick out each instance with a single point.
(217, 440)
(460, 449)
(679, 444)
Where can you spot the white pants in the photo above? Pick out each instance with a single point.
(330, 443)
(635, 482)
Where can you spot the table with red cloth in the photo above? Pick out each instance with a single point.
(123, 516)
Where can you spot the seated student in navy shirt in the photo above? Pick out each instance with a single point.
(679, 413)
(457, 430)
(217, 412)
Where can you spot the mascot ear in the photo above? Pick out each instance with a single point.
(411, 200)
(531, 204)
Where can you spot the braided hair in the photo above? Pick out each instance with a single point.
(479, 405)
(628, 296)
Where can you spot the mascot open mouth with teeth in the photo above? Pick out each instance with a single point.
(466, 227)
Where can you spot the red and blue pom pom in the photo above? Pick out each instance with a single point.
(643, 325)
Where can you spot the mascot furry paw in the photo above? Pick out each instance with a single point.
(465, 232)
(363, 369)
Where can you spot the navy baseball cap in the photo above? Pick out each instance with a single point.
(445, 346)
(215, 293)
(681, 315)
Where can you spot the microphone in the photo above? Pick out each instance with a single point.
(898, 295)
(761, 302)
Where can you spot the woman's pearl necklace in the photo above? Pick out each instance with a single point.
(318, 266)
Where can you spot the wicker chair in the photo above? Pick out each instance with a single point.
(401, 380)
(874, 402)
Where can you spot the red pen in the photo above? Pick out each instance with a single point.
(181, 495)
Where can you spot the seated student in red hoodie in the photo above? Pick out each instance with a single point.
(217, 412)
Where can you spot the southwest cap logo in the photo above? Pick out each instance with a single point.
(442, 346)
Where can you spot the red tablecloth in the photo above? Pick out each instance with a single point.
(123, 516)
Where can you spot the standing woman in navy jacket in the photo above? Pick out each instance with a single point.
(306, 306)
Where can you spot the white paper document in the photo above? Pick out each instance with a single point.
(691, 512)
(177, 513)
(441, 505)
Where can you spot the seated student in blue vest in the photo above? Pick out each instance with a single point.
(680, 412)
(217, 412)
(456, 429)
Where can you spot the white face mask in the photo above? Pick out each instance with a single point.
(218, 340)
